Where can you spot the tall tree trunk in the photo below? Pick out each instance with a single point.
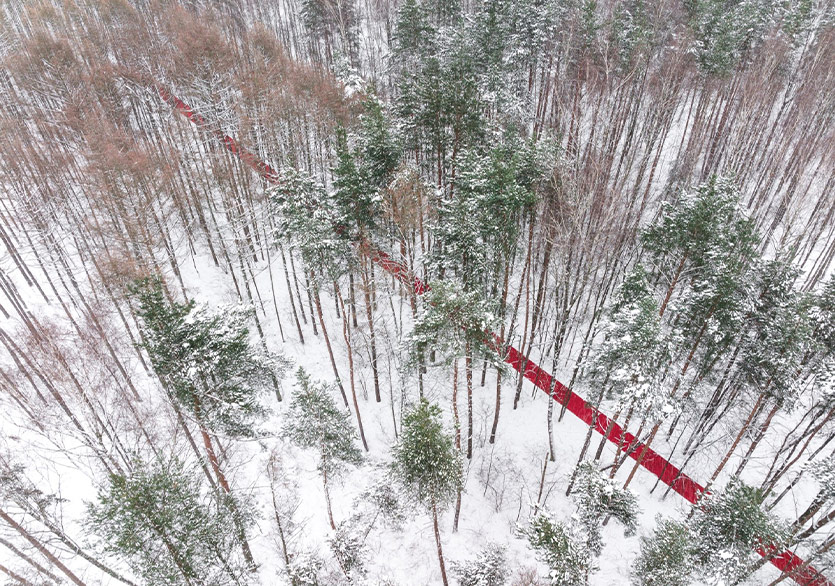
(737, 439)
(224, 484)
(290, 295)
(327, 496)
(328, 343)
(760, 433)
(49, 555)
(457, 423)
(672, 286)
(438, 542)
(16, 577)
(468, 371)
(642, 455)
(369, 316)
(587, 442)
(502, 309)
(346, 333)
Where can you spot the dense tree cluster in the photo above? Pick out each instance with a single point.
(634, 195)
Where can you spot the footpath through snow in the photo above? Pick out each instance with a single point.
(786, 561)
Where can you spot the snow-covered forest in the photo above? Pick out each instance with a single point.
(412, 292)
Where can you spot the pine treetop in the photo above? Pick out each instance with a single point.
(425, 459)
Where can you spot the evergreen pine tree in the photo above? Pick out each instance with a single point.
(666, 556)
(631, 33)
(478, 221)
(704, 237)
(599, 498)
(778, 339)
(427, 464)
(205, 358)
(455, 323)
(452, 319)
(488, 569)
(315, 422)
(705, 246)
(822, 318)
(563, 549)
(309, 216)
(725, 32)
(366, 162)
(353, 194)
(727, 527)
(569, 549)
(332, 19)
(633, 349)
(158, 520)
(379, 144)
(349, 549)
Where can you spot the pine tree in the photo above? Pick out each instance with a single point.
(631, 34)
(726, 31)
(563, 549)
(569, 549)
(627, 364)
(771, 354)
(706, 247)
(206, 363)
(479, 220)
(427, 464)
(315, 422)
(704, 237)
(438, 103)
(451, 320)
(666, 556)
(414, 36)
(366, 162)
(727, 527)
(328, 19)
(305, 569)
(822, 318)
(488, 569)
(717, 545)
(378, 143)
(158, 520)
(633, 349)
(599, 498)
(205, 358)
(309, 216)
(349, 549)
(455, 323)
(358, 202)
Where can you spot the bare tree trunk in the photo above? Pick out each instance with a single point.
(29, 560)
(457, 423)
(224, 484)
(327, 496)
(290, 295)
(737, 439)
(502, 310)
(346, 332)
(46, 553)
(438, 542)
(468, 370)
(760, 433)
(369, 316)
(642, 455)
(328, 343)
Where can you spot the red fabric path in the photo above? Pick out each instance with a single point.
(785, 561)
